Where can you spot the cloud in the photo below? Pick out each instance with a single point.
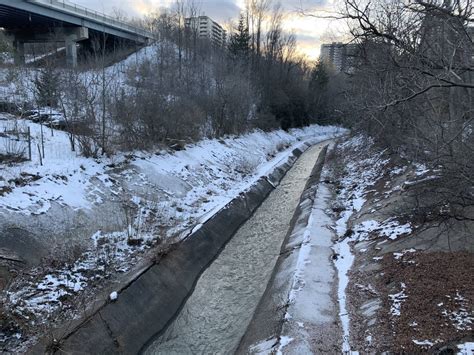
(220, 10)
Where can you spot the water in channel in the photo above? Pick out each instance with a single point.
(217, 314)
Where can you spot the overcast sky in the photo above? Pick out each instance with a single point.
(310, 32)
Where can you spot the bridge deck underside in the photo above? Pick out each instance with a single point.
(17, 19)
(11, 18)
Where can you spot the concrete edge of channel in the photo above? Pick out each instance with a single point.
(267, 321)
(152, 298)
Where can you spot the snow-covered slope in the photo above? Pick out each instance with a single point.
(145, 198)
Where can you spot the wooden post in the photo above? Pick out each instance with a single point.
(42, 139)
(29, 142)
(39, 152)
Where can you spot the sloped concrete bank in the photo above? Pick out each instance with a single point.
(264, 331)
(152, 299)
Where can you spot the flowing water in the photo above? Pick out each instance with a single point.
(218, 312)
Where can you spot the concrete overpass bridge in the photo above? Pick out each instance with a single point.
(41, 21)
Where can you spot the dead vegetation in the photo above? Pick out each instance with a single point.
(439, 298)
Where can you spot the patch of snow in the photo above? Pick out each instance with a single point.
(390, 228)
(397, 299)
(423, 342)
(466, 348)
(462, 318)
(112, 252)
(284, 341)
(398, 170)
(310, 302)
(421, 169)
(400, 255)
(343, 265)
(264, 348)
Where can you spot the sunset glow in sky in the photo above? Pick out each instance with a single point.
(310, 32)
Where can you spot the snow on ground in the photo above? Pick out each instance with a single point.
(357, 179)
(397, 299)
(466, 348)
(343, 265)
(310, 303)
(169, 193)
(310, 298)
(284, 342)
(17, 84)
(265, 347)
(390, 228)
(399, 290)
(64, 178)
(461, 318)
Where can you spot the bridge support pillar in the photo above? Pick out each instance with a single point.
(19, 52)
(72, 36)
(71, 52)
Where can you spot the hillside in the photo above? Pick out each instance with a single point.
(73, 224)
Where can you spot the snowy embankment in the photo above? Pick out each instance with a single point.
(355, 184)
(17, 83)
(326, 244)
(165, 195)
(394, 289)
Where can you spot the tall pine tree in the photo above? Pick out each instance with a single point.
(239, 45)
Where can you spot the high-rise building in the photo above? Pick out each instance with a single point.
(445, 39)
(207, 28)
(339, 55)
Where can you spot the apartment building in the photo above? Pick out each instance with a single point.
(339, 55)
(207, 28)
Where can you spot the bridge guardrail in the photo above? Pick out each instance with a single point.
(92, 14)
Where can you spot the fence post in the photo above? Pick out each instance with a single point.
(42, 138)
(29, 142)
(39, 151)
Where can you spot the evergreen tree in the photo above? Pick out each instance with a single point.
(47, 87)
(319, 77)
(239, 45)
(318, 88)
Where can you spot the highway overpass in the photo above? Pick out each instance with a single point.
(30, 21)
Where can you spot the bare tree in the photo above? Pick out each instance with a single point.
(412, 89)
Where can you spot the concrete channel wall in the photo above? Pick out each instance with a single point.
(150, 302)
(268, 318)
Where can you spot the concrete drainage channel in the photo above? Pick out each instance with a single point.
(151, 309)
(219, 311)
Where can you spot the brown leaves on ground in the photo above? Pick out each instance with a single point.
(440, 298)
